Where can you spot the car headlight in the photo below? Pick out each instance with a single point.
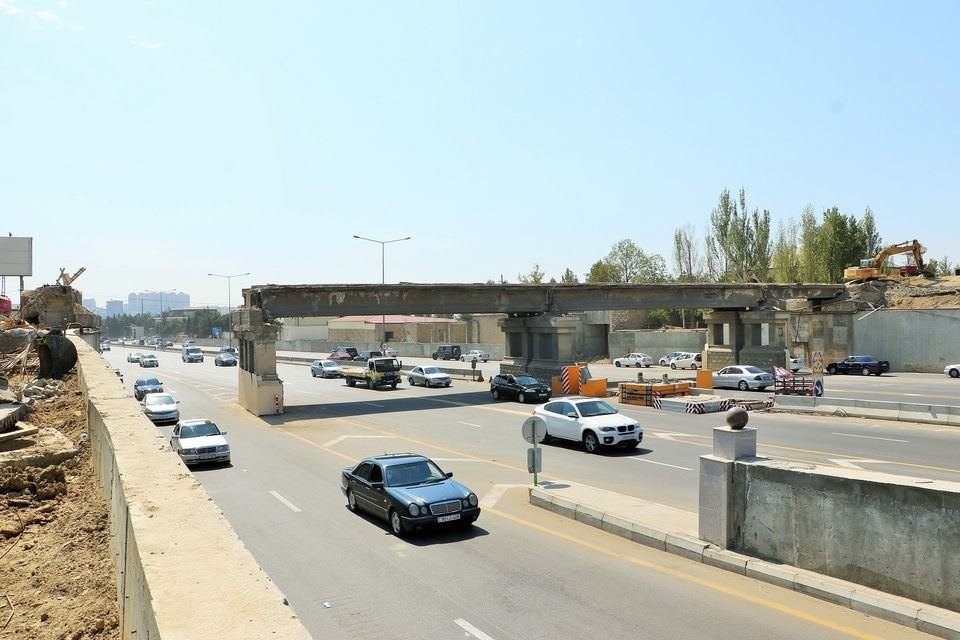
(188, 452)
(223, 448)
(471, 500)
(414, 509)
(607, 429)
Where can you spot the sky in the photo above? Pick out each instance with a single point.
(157, 142)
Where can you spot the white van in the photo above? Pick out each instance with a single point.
(191, 353)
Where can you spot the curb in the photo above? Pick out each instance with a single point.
(936, 621)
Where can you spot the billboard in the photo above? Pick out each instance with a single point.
(16, 256)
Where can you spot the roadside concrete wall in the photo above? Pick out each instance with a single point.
(918, 340)
(181, 570)
(893, 533)
(657, 343)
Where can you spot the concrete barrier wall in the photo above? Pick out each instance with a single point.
(181, 570)
(893, 533)
(903, 411)
(656, 343)
(911, 339)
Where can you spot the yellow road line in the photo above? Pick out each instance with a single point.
(686, 577)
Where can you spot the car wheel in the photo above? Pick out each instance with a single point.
(865, 371)
(447, 385)
(412, 383)
(954, 373)
(673, 365)
(313, 374)
(351, 501)
(351, 382)
(742, 385)
(831, 370)
(521, 397)
(393, 385)
(396, 523)
(590, 442)
(693, 366)
(484, 360)
(495, 393)
(617, 363)
(434, 356)
(370, 384)
(639, 364)
(461, 359)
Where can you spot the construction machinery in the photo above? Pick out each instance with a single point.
(875, 268)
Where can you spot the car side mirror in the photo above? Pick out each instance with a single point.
(572, 414)
(449, 474)
(223, 433)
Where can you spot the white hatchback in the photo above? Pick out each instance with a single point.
(687, 361)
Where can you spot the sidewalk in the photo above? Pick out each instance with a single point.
(676, 531)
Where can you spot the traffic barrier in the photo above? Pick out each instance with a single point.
(594, 387)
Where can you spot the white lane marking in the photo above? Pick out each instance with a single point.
(374, 404)
(496, 492)
(851, 463)
(279, 497)
(853, 435)
(469, 424)
(339, 439)
(662, 464)
(666, 435)
(472, 630)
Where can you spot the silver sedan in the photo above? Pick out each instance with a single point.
(742, 377)
(428, 377)
(952, 370)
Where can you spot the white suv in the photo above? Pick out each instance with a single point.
(591, 421)
(634, 360)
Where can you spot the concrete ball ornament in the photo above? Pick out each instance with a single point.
(737, 418)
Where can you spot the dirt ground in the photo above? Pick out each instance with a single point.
(56, 574)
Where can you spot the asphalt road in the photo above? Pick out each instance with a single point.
(521, 572)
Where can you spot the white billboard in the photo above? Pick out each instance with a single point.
(16, 256)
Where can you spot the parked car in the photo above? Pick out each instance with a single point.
(160, 408)
(742, 377)
(228, 349)
(325, 369)
(796, 363)
(363, 356)
(591, 421)
(862, 365)
(522, 387)
(667, 359)
(634, 360)
(225, 359)
(149, 360)
(952, 370)
(447, 352)
(134, 357)
(687, 361)
(390, 352)
(343, 353)
(428, 377)
(198, 441)
(474, 355)
(409, 491)
(143, 386)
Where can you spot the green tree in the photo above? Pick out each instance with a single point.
(569, 277)
(534, 277)
(740, 243)
(601, 271)
(785, 261)
(687, 258)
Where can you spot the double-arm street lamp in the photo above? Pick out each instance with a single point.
(229, 304)
(383, 272)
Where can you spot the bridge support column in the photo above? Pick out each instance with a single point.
(540, 345)
(259, 388)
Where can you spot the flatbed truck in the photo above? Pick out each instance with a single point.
(377, 372)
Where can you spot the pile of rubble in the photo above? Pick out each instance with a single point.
(908, 293)
(42, 389)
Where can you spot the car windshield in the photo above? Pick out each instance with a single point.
(413, 473)
(386, 364)
(527, 380)
(595, 408)
(431, 370)
(753, 370)
(153, 399)
(149, 355)
(199, 430)
(149, 381)
(330, 364)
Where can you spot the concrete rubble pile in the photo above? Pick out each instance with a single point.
(42, 389)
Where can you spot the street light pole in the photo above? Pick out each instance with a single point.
(383, 268)
(229, 304)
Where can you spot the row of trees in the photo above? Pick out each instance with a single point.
(199, 324)
(739, 248)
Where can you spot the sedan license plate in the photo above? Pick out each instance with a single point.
(207, 456)
(449, 518)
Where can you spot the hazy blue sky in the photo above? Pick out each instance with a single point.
(154, 142)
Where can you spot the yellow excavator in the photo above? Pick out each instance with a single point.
(875, 268)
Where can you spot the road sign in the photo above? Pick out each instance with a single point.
(533, 429)
(817, 364)
(818, 388)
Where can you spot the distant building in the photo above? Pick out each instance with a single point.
(114, 308)
(156, 302)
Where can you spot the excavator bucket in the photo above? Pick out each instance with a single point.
(57, 354)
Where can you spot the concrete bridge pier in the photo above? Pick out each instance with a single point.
(259, 388)
(756, 337)
(539, 344)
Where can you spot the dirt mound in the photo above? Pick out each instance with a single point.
(909, 293)
(56, 574)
